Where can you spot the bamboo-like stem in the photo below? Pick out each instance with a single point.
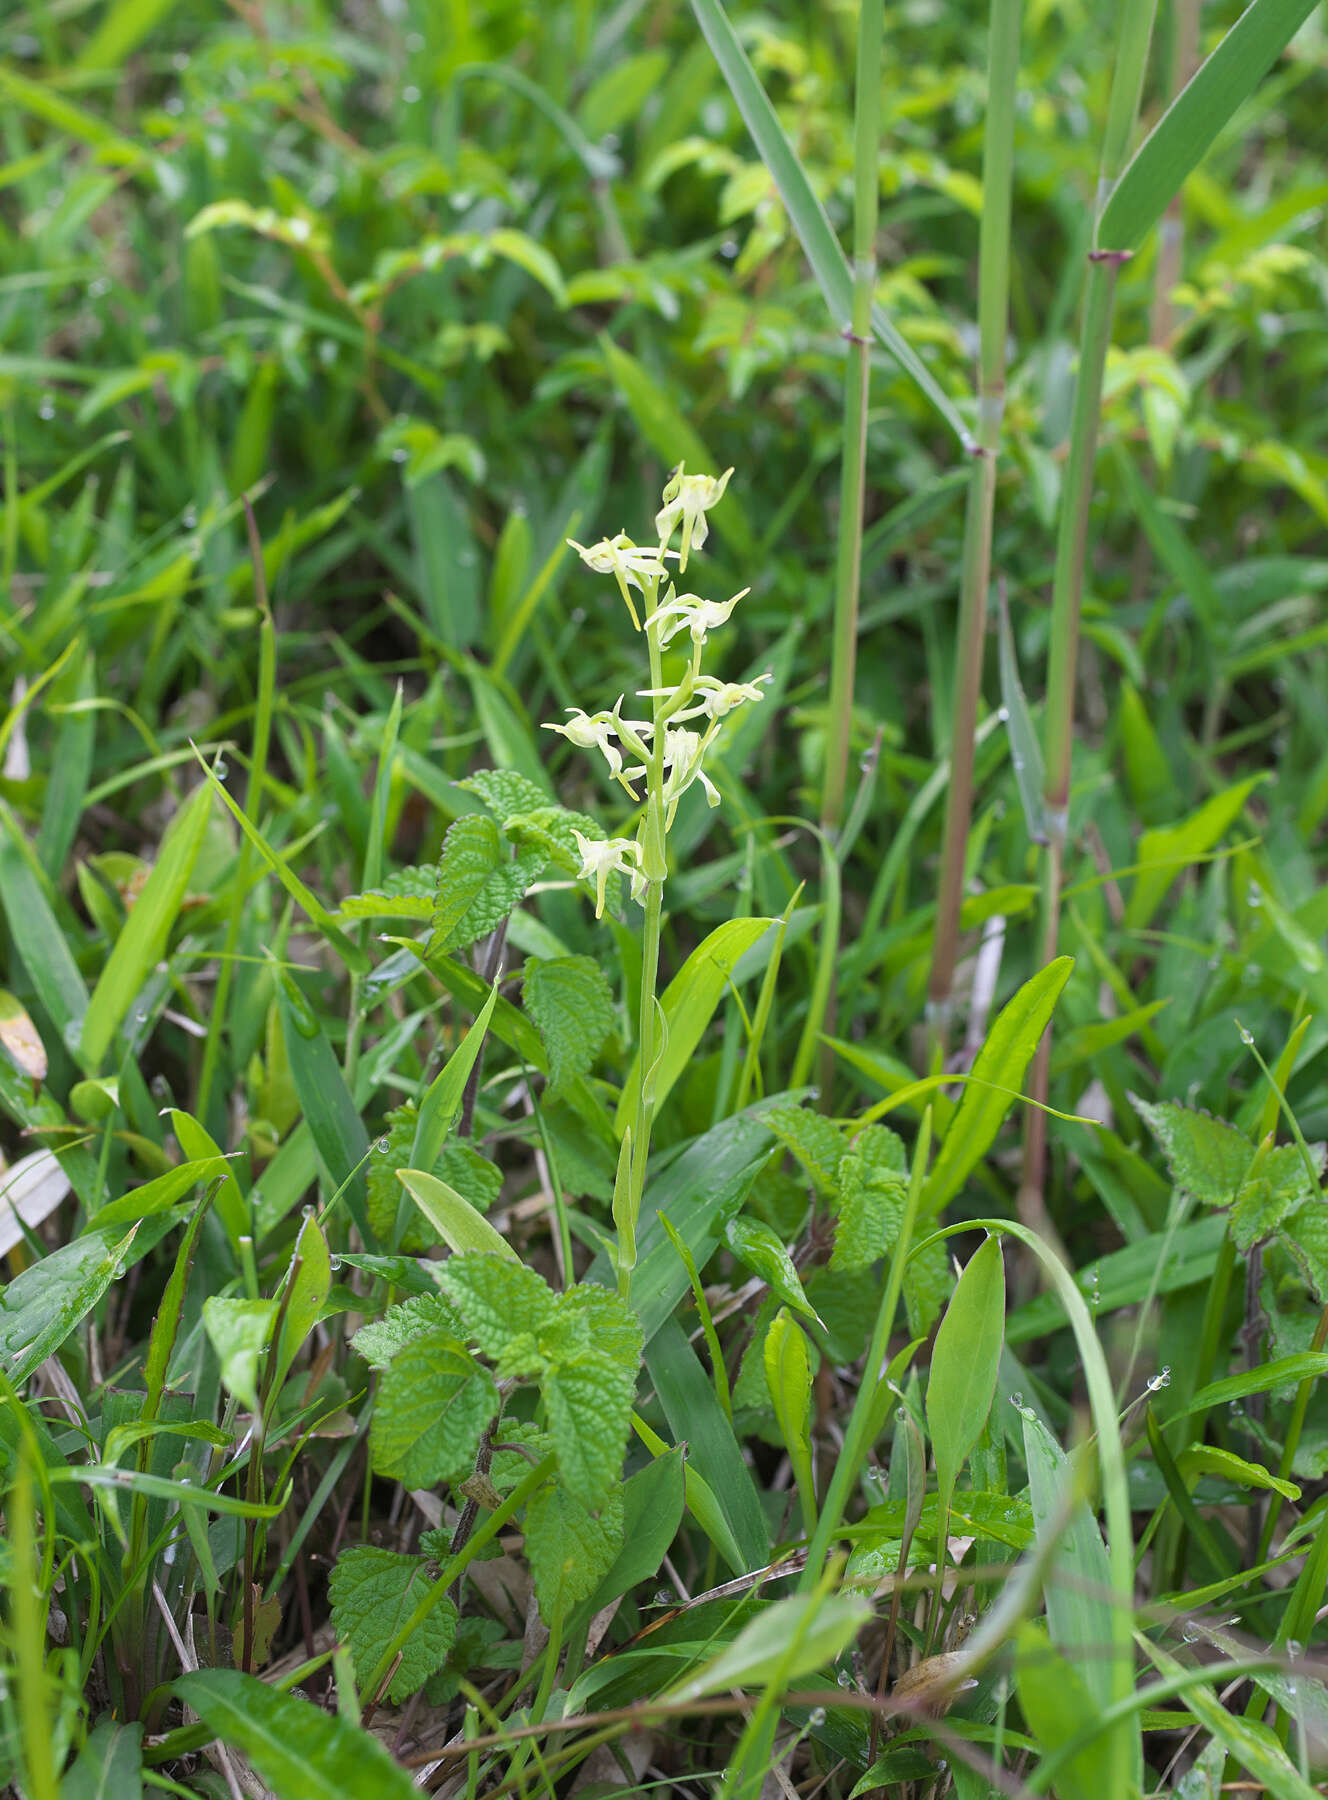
(1072, 551)
(1171, 232)
(975, 577)
(853, 467)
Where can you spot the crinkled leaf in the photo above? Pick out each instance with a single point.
(606, 1322)
(379, 1342)
(761, 1250)
(373, 1593)
(589, 1402)
(871, 1208)
(550, 830)
(1305, 1234)
(817, 1144)
(433, 1404)
(1276, 1188)
(404, 894)
(505, 792)
(571, 1002)
(570, 1549)
(479, 882)
(498, 1300)
(1206, 1157)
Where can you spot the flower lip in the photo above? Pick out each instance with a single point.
(687, 499)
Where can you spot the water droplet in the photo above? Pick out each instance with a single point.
(844, 1679)
(174, 106)
(222, 769)
(383, 1146)
(189, 517)
(1294, 1648)
(180, 61)
(729, 247)
(399, 455)
(1246, 1037)
(1017, 1400)
(816, 1718)
(47, 408)
(1189, 1632)
(663, 1597)
(414, 42)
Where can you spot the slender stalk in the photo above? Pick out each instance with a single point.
(853, 468)
(975, 579)
(1171, 232)
(1136, 26)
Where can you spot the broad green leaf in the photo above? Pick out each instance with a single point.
(688, 1004)
(1002, 1061)
(964, 1362)
(109, 1766)
(498, 1299)
(240, 1331)
(1088, 1042)
(653, 1501)
(309, 1286)
(1285, 1372)
(1203, 109)
(806, 213)
(1078, 1580)
(37, 934)
(199, 1145)
(432, 1407)
(42, 1306)
(159, 1194)
(1057, 1707)
(788, 1374)
(589, 1406)
(379, 1341)
(442, 1103)
(791, 1639)
(373, 1592)
(762, 1250)
(570, 1549)
(1208, 1459)
(571, 1002)
(300, 1751)
(1167, 852)
(696, 1419)
(1207, 1157)
(143, 938)
(479, 882)
(454, 1219)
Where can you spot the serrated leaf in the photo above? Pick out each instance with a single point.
(760, 1248)
(300, 1751)
(871, 1207)
(373, 1592)
(570, 1549)
(571, 1002)
(1207, 1158)
(1305, 1234)
(1273, 1190)
(433, 1405)
(607, 1323)
(380, 1341)
(817, 1144)
(404, 894)
(479, 882)
(552, 831)
(505, 792)
(498, 1300)
(589, 1404)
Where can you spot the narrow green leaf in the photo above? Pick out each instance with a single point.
(329, 1109)
(109, 1766)
(157, 1195)
(653, 1501)
(300, 1751)
(788, 1373)
(1057, 1707)
(1167, 852)
(1078, 1581)
(1184, 134)
(1025, 745)
(142, 941)
(965, 1361)
(1003, 1059)
(442, 1102)
(820, 1625)
(1253, 1745)
(1208, 1459)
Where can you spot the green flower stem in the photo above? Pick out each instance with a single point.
(654, 859)
(975, 576)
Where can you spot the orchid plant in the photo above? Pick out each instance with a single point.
(666, 752)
